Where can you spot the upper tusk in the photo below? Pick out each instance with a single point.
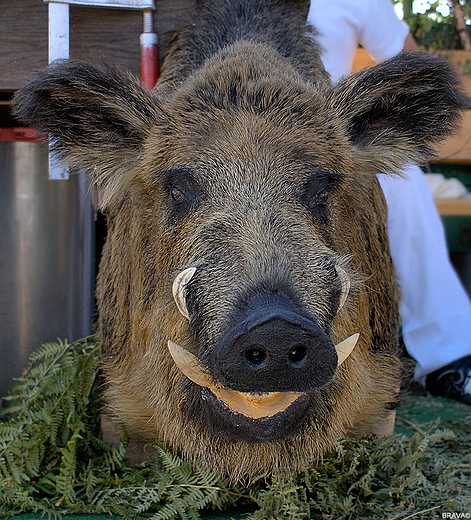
(188, 363)
(344, 348)
(178, 290)
(345, 281)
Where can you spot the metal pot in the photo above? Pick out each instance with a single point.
(46, 256)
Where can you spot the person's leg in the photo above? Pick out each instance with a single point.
(435, 309)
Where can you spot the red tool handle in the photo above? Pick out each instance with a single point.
(149, 60)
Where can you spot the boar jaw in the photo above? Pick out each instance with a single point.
(255, 405)
(178, 290)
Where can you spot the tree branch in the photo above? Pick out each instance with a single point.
(461, 25)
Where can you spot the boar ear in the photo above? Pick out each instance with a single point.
(302, 6)
(396, 110)
(97, 118)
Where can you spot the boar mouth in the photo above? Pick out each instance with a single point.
(253, 405)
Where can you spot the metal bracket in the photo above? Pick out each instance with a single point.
(128, 4)
(59, 44)
(59, 49)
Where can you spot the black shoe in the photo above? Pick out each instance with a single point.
(452, 381)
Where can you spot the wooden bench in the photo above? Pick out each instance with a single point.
(454, 207)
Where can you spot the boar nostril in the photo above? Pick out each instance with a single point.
(297, 355)
(255, 356)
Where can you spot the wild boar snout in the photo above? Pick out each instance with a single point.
(273, 348)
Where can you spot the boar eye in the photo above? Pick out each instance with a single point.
(317, 190)
(177, 195)
(322, 197)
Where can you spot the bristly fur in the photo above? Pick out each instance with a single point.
(244, 125)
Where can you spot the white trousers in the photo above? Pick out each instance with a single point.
(435, 309)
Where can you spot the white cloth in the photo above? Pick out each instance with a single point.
(435, 309)
(343, 24)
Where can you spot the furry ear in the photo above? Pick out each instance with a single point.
(302, 6)
(397, 109)
(97, 118)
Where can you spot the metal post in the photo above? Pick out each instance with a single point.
(59, 49)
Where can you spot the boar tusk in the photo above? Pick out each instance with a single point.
(178, 290)
(345, 281)
(190, 366)
(345, 347)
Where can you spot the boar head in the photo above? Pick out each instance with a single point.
(246, 239)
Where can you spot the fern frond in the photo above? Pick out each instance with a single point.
(53, 461)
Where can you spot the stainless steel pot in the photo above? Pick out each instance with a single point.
(46, 256)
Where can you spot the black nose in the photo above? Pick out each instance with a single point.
(274, 348)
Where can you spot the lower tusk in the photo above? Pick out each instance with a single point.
(190, 366)
(344, 348)
(345, 281)
(178, 290)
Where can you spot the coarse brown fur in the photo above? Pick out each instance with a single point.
(245, 124)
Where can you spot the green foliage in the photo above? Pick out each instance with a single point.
(465, 67)
(165, 488)
(432, 31)
(435, 34)
(397, 476)
(53, 461)
(40, 428)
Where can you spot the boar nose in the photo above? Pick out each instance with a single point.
(274, 349)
